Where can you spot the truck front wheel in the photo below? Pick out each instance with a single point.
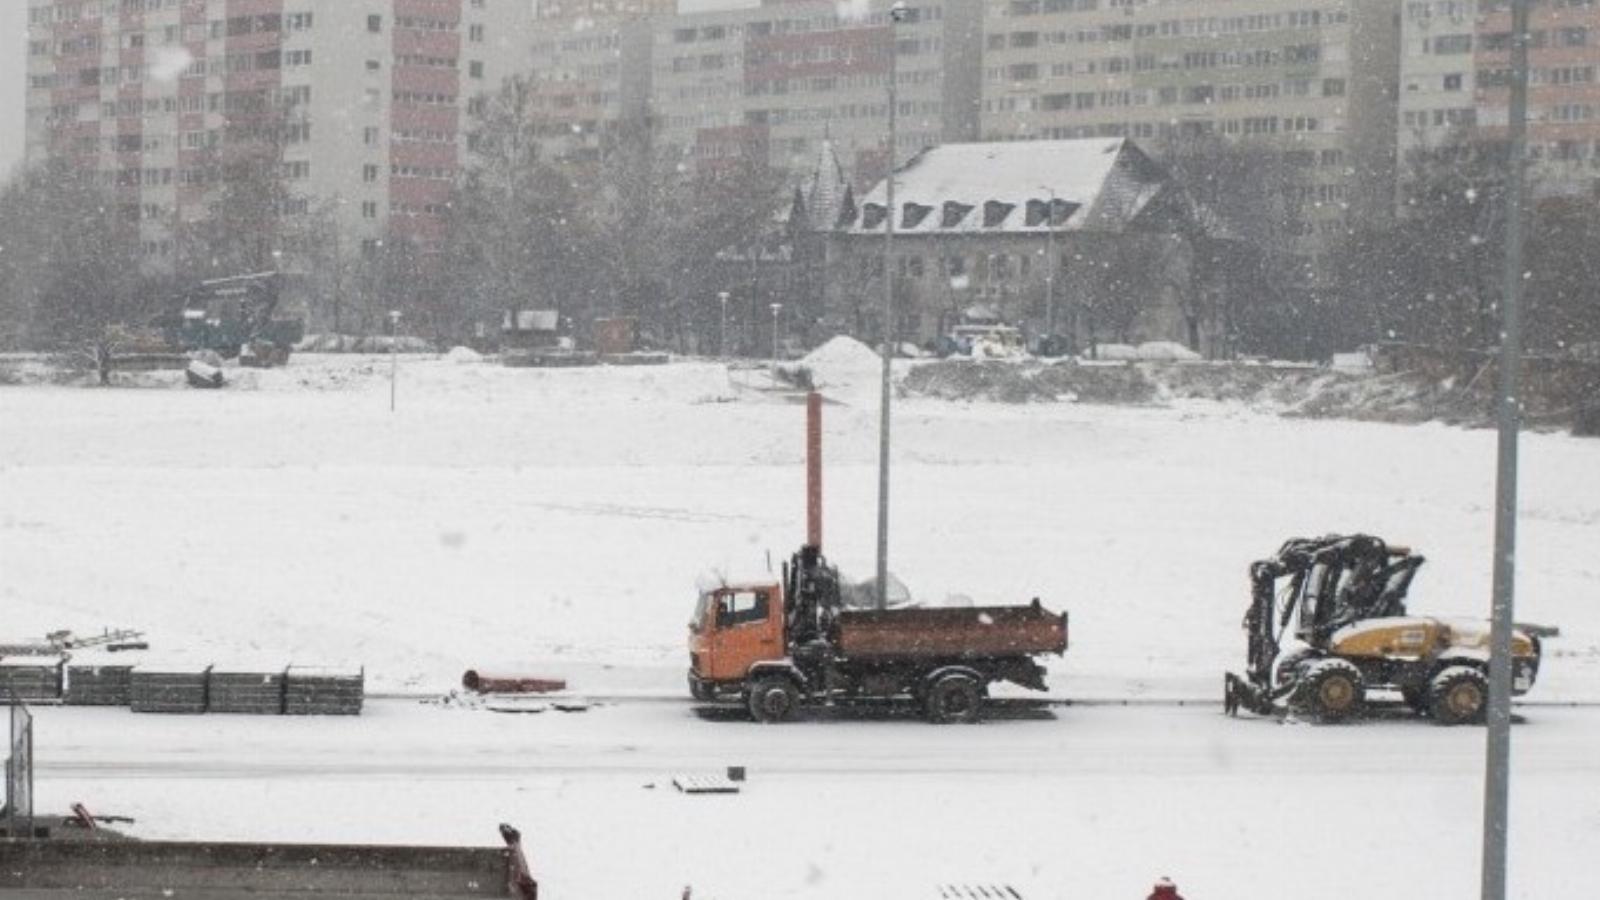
(773, 699)
(954, 698)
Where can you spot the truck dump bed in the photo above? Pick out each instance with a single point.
(964, 632)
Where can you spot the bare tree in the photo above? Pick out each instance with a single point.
(518, 232)
(71, 265)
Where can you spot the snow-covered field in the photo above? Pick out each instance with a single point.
(554, 521)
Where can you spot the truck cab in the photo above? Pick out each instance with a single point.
(735, 627)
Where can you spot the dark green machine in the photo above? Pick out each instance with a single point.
(233, 317)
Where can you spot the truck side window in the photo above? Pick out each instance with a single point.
(741, 607)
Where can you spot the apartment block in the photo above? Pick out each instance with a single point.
(367, 99)
(590, 65)
(1314, 79)
(1456, 74)
(772, 82)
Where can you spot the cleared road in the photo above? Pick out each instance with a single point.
(1063, 802)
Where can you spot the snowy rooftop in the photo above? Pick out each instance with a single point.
(1022, 186)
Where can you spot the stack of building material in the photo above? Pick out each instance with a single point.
(90, 684)
(168, 688)
(31, 678)
(256, 690)
(323, 690)
(101, 675)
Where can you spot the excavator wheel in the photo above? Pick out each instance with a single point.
(1459, 696)
(1330, 691)
(773, 699)
(954, 698)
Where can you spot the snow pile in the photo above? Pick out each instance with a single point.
(842, 365)
(463, 355)
(1167, 351)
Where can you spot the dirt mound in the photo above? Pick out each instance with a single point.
(1025, 382)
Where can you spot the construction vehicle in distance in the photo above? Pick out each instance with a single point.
(1339, 631)
(234, 318)
(776, 645)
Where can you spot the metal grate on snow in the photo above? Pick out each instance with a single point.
(705, 784)
(978, 892)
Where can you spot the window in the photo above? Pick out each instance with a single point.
(369, 209)
(475, 69)
(1446, 44)
(475, 33)
(369, 173)
(741, 608)
(297, 22)
(374, 24)
(1452, 82)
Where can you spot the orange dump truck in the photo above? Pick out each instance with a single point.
(776, 647)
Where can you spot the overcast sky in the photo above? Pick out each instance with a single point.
(13, 80)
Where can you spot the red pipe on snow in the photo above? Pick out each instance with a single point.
(814, 469)
(484, 683)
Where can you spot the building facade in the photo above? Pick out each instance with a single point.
(590, 65)
(1455, 84)
(1084, 240)
(770, 83)
(1314, 81)
(364, 100)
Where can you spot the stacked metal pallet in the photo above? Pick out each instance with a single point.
(255, 692)
(31, 678)
(155, 688)
(99, 685)
(323, 691)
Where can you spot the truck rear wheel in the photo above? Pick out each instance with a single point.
(954, 698)
(773, 699)
(1458, 696)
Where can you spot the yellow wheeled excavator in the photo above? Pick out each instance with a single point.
(1327, 626)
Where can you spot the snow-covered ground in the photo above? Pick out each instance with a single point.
(554, 522)
(1086, 804)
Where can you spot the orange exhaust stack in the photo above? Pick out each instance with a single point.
(814, 470)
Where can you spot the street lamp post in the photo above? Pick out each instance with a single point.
(1050, 267)
(394, 355)
(722, 339)
(1497, 766)
(776, 308)
(897, 14)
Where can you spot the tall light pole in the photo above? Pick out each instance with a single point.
(897, 14)
(722, 340)
(1050, 266)
(776, 308)
(394, 354)
(1497, 769)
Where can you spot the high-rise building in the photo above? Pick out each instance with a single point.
(366, 100)
(1314, 80)
(770, 83)
(590, 68)
(1455, 84)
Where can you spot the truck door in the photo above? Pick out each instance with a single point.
(749, 629)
